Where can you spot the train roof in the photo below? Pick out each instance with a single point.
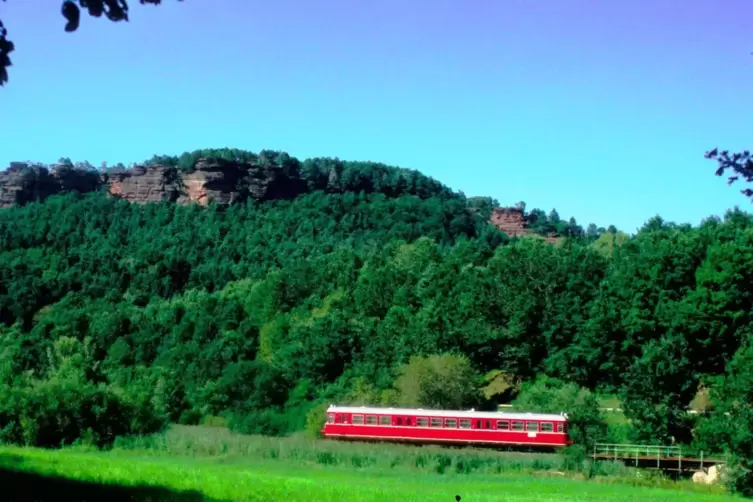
(496, 415)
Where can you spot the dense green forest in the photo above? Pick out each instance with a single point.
(118, 318)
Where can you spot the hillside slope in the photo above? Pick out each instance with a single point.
(258, 310)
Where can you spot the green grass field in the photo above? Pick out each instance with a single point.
(211, 464)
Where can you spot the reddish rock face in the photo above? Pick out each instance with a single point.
(219, 181)
(212, 182)
(143, 184)
(510, 220)
(22, 183)
(222, 182)
(16, 184)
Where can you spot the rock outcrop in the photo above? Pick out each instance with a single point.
(220, 181)
(714, 474)
(143, 184)
(223, 182)
(512, 221)
(22, 183)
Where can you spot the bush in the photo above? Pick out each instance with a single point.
(315, 420)
(269, 422)
(57, 413)
(586, 423)
(574, 458)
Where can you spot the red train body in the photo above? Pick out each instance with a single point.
(447, 427)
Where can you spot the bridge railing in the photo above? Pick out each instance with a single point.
(658, 452)
(633, 450)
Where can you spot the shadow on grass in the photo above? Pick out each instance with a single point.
(22, 486)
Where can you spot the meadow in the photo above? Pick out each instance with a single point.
(211, 463)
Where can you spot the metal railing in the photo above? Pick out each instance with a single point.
(639, 452)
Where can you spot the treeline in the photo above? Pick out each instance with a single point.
(325, 174)
(330, 175)
(321, 173)
(119, 318)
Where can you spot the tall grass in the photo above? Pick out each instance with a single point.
(226, 447)
(218, 442)
(299, 450)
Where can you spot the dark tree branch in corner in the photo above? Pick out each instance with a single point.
(740, 163)
(6, 47)
(114, 10)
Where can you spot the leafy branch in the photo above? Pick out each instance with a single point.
(740, 163)
(114, 10)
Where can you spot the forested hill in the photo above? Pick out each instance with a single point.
(118, 317)
(229, 176)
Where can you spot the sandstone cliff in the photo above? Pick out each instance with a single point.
(23, 183)
(512, 221)
(223, 182)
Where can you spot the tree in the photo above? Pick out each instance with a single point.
(586, 424)
(659, 387)
(554, 216)
(114, 10)
(6, 47)
(446, 381)
(740, 163)
(730, 425)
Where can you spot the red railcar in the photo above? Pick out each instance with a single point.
(446, 426)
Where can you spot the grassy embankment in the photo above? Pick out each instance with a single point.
(205, 463)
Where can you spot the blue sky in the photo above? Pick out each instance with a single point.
(600, 109)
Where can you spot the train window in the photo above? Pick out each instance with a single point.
(465, 423)
(341, 419)
(357, 419)
(422, 422)
(503, 425)
(547, 427)
(487, 425)
(385, 420)
(451, 422)
(532, 426)
(560, 427)
(330, 418)
(436, 422)
(517, 426)
(371, 420)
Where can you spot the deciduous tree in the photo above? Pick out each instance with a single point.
(439, 381)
